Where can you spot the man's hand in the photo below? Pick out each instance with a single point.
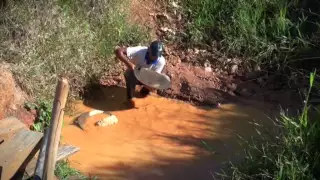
(132, 66)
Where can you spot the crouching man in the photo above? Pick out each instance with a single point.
(149, 57)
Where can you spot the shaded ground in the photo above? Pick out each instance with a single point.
(159, 139)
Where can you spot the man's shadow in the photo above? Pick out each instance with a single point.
(107, 98)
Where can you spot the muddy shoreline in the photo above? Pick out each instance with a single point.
(201, 86)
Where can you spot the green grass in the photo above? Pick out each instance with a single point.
(64, 172)
(292, 155)
(43, 40)
(266, 31)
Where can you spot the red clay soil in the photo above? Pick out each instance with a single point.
(195, 84)
(12, 98)
(204, 86)
(141, 13)
(27, 117)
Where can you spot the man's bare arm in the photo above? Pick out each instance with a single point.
(121, 54)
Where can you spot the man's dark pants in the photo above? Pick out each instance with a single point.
(131, 82)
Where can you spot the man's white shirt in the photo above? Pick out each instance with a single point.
(137, 56)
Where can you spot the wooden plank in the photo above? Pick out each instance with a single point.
(9, 126)
(15, 151)
(29, 171)
(19, 174)
(64, 151)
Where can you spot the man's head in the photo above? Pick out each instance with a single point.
(155, 50)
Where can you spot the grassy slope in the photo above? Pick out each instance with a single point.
(294, 154)
(266, 31)
(43, 40)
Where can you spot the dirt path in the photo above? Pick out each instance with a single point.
(159, 139)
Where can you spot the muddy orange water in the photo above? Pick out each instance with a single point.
(159, 139)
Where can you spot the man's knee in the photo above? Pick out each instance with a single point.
(129, 76)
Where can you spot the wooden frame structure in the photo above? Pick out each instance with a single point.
(25, 153)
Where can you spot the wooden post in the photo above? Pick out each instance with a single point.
(54, 130)
(38, 172)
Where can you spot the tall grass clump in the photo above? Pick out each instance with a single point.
(266, 31)
(44, 39)
(64, 172)
(294, 154)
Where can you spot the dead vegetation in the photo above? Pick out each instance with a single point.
(44, 40)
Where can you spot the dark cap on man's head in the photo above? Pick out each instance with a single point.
(156, 48)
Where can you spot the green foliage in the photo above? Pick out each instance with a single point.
(43, 117)
(64, 172)
(294, 154)
(43, 40)
(267, 31)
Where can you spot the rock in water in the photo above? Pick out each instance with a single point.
(110, 120)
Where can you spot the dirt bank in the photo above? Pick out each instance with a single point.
(202, 75)
(12, 98)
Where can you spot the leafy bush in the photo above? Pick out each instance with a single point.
(43, 115)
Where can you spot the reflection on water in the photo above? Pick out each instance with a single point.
(159, 139)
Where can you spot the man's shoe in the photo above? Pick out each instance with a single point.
(130, 104)
(144, 92)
